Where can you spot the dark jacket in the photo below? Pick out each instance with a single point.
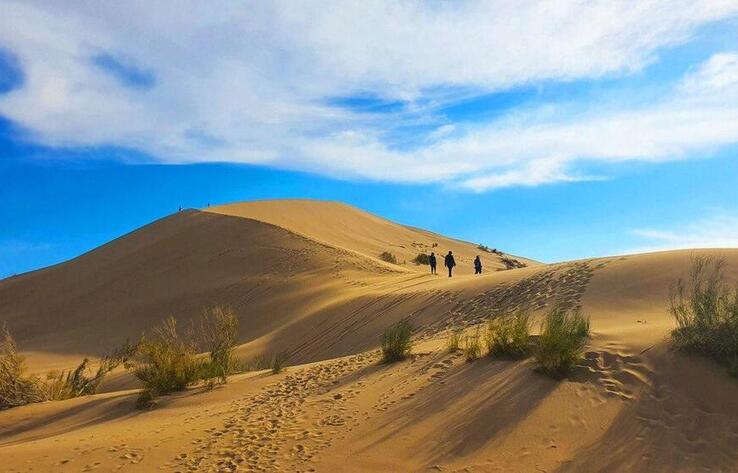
(477, 263)
(449, 261)
(432, 260)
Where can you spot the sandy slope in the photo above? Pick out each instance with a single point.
(632, 405)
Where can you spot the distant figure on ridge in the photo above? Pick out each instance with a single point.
(449, 262)
(432, 262)
(477, 265)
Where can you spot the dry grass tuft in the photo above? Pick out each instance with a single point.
(705, 308)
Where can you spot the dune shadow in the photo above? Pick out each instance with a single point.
(69, 418)
(478, 403)
(684, 419)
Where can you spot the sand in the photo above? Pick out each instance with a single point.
(299, 281)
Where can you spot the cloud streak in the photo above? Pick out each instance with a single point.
(253, 83)
(719, 231)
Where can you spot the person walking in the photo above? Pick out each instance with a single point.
(449, 262)
(432, 261)
(477, 265)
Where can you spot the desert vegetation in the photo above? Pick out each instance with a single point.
(453, 342)
(422, 258)
(165, 362)
(218, 331)
(705, 309)
(18, 388)
(508, 335)
(397, 342)
(472, 346)
(388, 257)
(561, 342)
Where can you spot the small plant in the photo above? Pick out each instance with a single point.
(453, 342)
(279, 361)
(422, 258)
(388, 257)
(508, 335)
(82, 381)
(16, 389)
(561, 342)
(218, 331)
(397, 342)
(165, 363)
(472, 346)
(512, 263)
(706, 312)
(484, 248)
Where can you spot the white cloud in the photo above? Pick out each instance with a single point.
(720, 231)
(248, 82)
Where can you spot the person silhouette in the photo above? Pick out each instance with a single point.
(432, 262)
(449, 262)
(477, 265)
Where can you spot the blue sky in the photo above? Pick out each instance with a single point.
(554, 130)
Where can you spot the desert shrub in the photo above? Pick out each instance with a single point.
(484, 248)
(472, 346)
(508, 335)
(218, 331)
(388, 257)
(453, 342)
(279, 361)
(512, 263)
(422, 258)
(16, 388)
(705, 308)
(561, 342)
(397, 342)
(165, 363)
(83, 381)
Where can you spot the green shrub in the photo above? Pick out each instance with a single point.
(165, 363)
(706, 312)
(508, 335)
(218, 331)
(397, 342)
(422, 258)
(16, 389)
(279, 361)
(472, 346)
(453, 342)
(388, 257)
(561, 342)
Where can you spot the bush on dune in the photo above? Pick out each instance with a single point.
(165, 363)
(279, 361)
(472, 346)
(16, 388)
(388, 257)
(397, 342)
(508, 335)
(82, 381)
(561, 342)
(218, 331)
(453, 342)
(705, 308)
(422, 258)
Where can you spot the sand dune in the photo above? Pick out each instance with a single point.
(300, 281)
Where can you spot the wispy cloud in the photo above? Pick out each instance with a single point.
(257, 83)
(720, 231)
